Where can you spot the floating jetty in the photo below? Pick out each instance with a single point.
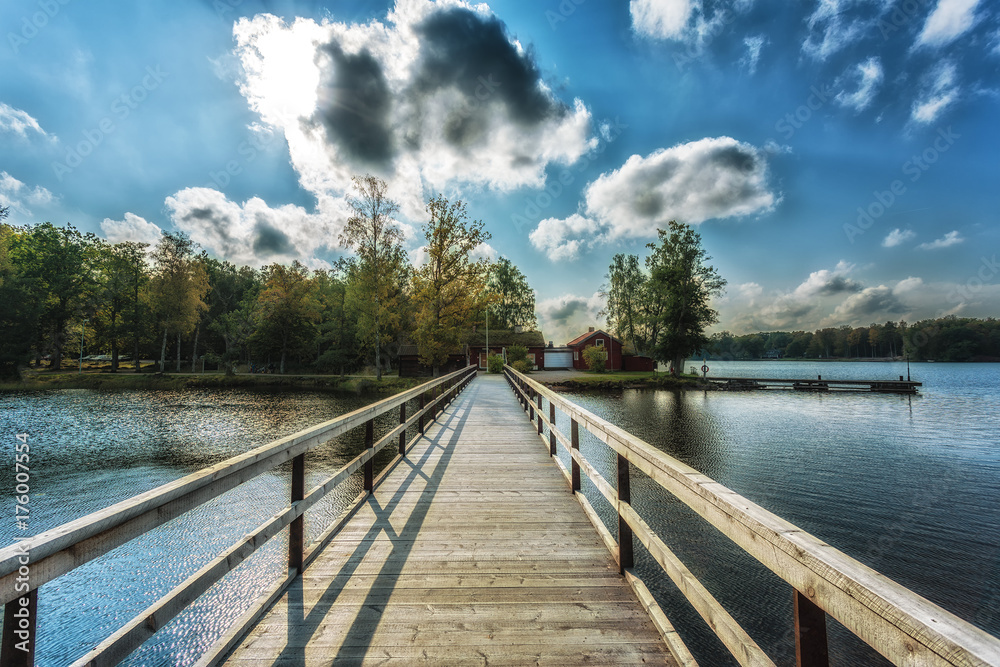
(899, 386)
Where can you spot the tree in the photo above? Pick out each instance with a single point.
(57, 263)
(288, 310)
(179, 285)
(448, 288)
(683, 284)
(372, 234)
(624, 293)
(337, 344)
(596, 358)
(19, 313)
(513, 299)
(232, 306)
(123, 275)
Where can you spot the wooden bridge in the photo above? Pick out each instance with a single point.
(471, 548)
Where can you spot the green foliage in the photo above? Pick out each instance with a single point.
(495, 364)
(447, 288)
(512, 301)
(683, 284)
(371, 232)
(516, 353)
(522, 366)
(596, 358)
(287, 312)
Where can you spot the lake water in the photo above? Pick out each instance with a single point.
(90, 450)
(909, 485)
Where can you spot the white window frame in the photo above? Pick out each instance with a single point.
(599, 342)
(576, 355)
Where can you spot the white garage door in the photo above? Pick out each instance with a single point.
(558, 359)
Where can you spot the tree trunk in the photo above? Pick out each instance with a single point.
(678, 364)
(135, 358)
(284, 346)
(163, 351)
(178, 352)
(194, 352)
(378, 345)
(114, 342)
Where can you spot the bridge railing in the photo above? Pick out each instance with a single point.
(904, 627)
(38, 560)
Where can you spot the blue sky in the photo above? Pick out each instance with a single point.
(839, 157)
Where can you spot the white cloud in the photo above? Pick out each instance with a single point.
(754, 45)
(563, 239)
(897, 237)
(131, 228)
(710, 178)
(868, 76)
(939, 92)
(872, 304)
(826, 282)
(565, 317)
(830, 29)
(484, 251)
(20, 198)
(693, 182)
(947, 22)
(946, 241)
(254, 233)
(661, 19)
(435, 97)
(18, 121)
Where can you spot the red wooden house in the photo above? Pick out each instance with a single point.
(620, 355)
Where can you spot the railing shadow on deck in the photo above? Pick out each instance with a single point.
(55, 552)
(361, 632)
(904, 627)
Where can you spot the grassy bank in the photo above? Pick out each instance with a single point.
(629, 380)
(33, 380)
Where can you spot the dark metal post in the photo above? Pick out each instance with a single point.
(370, 463)
(402, 436)
(552, 428)
(531, 405)
(296, 531)
(574, 430)
(18, 636)
(540, 423)
(625, 553)
(420, 422)
(810, 633)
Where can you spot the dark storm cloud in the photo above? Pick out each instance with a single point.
(870, 301)
(561, 314)
(355, 105)
(270, 241)
(473, 54)
(838, 285)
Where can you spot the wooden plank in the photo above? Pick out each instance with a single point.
(455, 536)
(97, 533)
(901, 625)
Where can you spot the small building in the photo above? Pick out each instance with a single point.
(502, 339)
(410, 366)
(621, 356)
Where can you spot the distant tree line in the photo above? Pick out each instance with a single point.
(944, 339)
(60, 288)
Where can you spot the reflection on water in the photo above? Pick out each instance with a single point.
(90, 450)
(907, 485)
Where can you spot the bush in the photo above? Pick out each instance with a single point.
(516, 353)
(522, 366)
(495, 363)
(596, 359)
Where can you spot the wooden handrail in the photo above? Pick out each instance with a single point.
(901, 625)
(55, 552)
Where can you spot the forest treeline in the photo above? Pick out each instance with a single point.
(944, 339)
(60, 288)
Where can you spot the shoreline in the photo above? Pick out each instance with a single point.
(127, 380)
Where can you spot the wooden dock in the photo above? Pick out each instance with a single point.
(899, 386)
(470, 551)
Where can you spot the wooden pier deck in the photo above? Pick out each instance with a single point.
(470, 551)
